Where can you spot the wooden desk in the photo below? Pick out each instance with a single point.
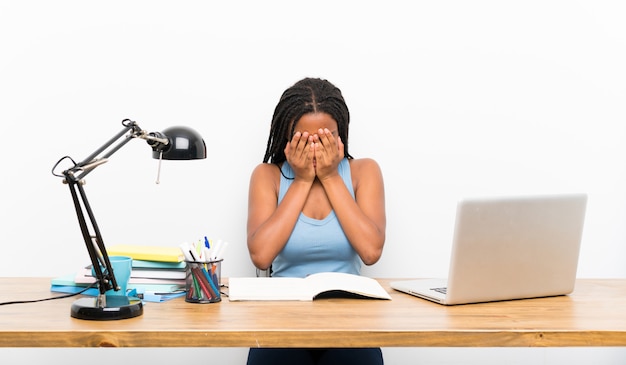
(594, 315)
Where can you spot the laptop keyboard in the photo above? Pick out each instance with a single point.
(440, 290)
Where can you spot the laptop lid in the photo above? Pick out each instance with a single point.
(512, 248)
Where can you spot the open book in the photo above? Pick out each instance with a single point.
(304, 289)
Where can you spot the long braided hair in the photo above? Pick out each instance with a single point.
(309, 95)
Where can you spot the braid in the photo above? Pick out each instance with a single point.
(309, 95)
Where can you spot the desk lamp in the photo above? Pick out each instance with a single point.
(175, 143)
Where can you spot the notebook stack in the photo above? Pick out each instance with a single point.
(158, 273)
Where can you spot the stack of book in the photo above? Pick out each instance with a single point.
(158, 273)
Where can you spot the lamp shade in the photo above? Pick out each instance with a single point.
(184, 144)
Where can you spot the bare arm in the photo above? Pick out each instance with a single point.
(363, 218)
(269, 223)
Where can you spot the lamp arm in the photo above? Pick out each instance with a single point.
(94, 243)
(128, 125)
(155, 139)
(86, 219)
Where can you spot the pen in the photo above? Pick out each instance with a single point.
(185, 248)
(204, 283)
(194, 291)
(212, 284)
(193, 257)
(198, 248)
(207, 254)
(219, 251)
(214, 274)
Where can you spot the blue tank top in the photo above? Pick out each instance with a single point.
(316, 245)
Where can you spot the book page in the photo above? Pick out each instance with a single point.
(333, 281)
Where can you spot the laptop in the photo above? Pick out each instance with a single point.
(508, 248)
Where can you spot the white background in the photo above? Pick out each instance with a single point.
(452, 98)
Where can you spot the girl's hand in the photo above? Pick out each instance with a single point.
(299, 154)
(328, 153)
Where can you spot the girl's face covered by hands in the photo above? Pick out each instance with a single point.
(315, 143)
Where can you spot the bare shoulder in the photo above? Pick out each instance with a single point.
(265, 174)
(364, 166)
(365, 170)
(265, 168)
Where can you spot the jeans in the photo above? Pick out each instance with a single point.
(298, 356)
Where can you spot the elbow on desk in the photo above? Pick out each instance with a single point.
(261, 262)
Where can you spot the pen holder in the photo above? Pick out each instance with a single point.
(202, 281)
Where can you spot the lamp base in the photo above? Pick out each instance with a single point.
(117, 307)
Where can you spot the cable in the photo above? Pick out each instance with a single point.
(51, 298)
(58, 162)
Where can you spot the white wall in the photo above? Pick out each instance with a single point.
(452, 98)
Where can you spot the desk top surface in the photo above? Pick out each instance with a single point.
(593, 315)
